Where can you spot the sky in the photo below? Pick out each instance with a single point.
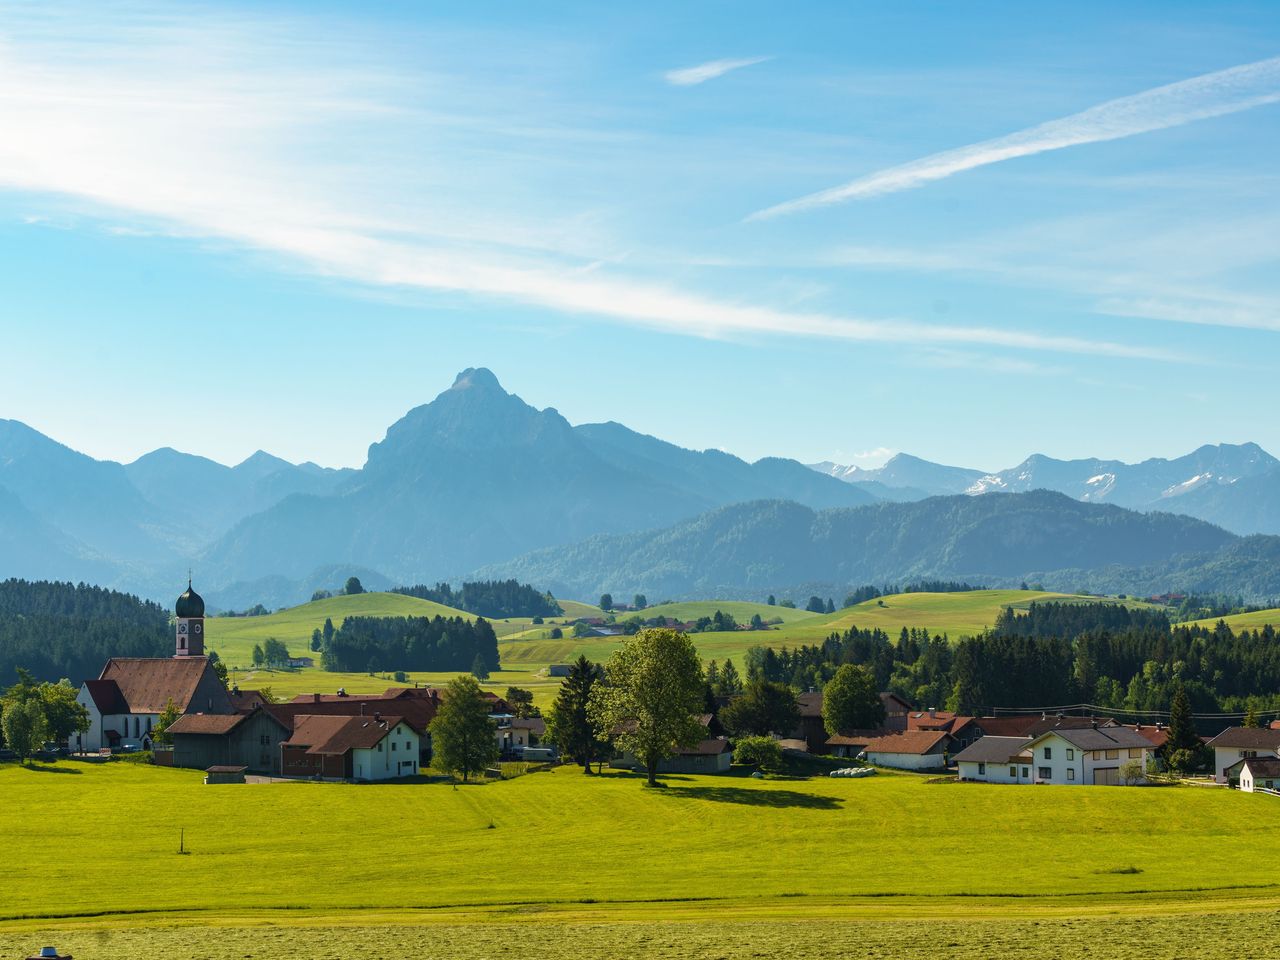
(828, 232)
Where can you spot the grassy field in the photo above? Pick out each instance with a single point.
(709, 867)
(527, 650)
(1246, 621)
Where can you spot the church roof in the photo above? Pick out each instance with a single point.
(107, 697)
(146, 684)
(190, 604)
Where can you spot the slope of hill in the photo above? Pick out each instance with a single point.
(1245, 621)
(751, 549)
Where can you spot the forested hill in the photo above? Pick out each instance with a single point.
(59, 630)
(750, 549)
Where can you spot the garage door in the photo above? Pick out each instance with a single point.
(1107, 777)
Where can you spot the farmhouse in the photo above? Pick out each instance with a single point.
(1087, 756)
(129, 695)
(519, 734)
(351, 748)
(910, 750)
(852, 743)
(963, 730)
(996, 760)
(251, 740)
(1260, 773)
(1242, 743)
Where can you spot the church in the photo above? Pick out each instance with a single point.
(129, 695)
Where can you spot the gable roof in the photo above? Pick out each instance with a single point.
(336, 735)
(893, 700)
(917, 742)
(810, 704)
(705, 748)
(1262, 766)
(218, 724)
(536, 725)
(148, 683)
(993, 750)
(1249, 738)
(854, 738)
(1103, 738)
(106, 696)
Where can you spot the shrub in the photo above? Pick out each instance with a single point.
(763, 752)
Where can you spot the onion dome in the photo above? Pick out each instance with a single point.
(189, 605)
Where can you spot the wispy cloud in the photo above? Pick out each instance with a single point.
(1199, 98)
(691, 76)
(332, 163)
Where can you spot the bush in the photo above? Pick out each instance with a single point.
(1189, 761)
(762, 752)
(1131, 773)
(401, 677)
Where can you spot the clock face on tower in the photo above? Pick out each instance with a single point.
(197, 627)
(182, 627)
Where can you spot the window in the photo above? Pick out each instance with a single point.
(1013, 773)
(1113, 754)
(379, 748)
(265, 740)
(982, 768)
(1135, 753)
(1026, 772)
(1046, 773)
(1248, 753)
(1071, 754)
(148, 724)
(394, 745)
(1048, 753)
(1071, 773)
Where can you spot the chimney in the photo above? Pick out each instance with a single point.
(377, 716)
(362, 708)
(933, 713)
(1043, 715)
(315, 698)
(1094, 724)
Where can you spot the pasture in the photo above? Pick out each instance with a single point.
(1245, 621)
(599, 866)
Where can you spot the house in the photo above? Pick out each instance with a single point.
(1093, 755)
(910, 750)
(1260, 773)
(305, 662)
(852, 743)
(963, 730)
(127, 698)
(996, 760)
(251, 740)
(520, 734)
(711, 754)
(417, 705)
(811, 729)
(335, 747)
(1242, 743)
(559, 670)
(895, 711)
(245, 701)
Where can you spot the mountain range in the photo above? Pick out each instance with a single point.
(1234, 486)
(477, 480)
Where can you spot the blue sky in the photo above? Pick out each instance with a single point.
(830, 232)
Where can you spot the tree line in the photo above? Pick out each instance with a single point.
(57, 629)
(376, 644)
(496, 599)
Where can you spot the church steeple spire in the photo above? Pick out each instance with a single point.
(189, 611)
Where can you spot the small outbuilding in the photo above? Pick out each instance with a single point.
(225, 775)
(1260, 775)
(910, 750)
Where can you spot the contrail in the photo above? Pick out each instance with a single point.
(1199, 98)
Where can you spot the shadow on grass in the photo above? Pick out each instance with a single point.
(50, 768)
(790, 799)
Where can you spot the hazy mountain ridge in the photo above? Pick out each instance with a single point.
(1234, 485)
(749, 550)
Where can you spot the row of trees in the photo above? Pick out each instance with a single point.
(496, 599)
(34, 713)
(375, 644)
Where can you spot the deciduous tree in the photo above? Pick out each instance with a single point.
(764, 708)
(850, 701)
(25, 728)
(463, 737)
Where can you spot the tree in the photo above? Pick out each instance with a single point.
(850, 701)
(772, 601)
(831, 606)
(730, 681)
(353, 586)
(64, 714)
(652, 694)
(815, 605)
(557, 633)
(267, 695)
(521, 702)
(606, 602)
(25, 727)
(764, 708)
(1251, 719)
(320, 595)
(1131, 772)
(463, 738)
(327, 631)
(317, 640)
(275, 652)
(219, 667)
(764, 752)
(639, 601)
(160, 732)
(258, 656)
(757, 622)
(479, 669)
(569, 723)
(1182, 727)
(789, 604)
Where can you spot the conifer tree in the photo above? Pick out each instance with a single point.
(1182, 727)
(569, 723)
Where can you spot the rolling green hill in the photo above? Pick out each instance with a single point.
(1246, 621)
(250, 886)
(740, 610)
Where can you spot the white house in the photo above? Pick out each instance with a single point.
(910, 750)
(353, 748)
(1260, 773)
(1087, 756)
(1242, 743)
(996, 760)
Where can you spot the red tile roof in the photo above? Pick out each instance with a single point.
(148, 683)
(336, 735)
(211, 724)
(917, 742)
(705, 748)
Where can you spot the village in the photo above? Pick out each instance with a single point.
(234, 734)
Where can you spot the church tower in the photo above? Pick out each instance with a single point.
(189, 611)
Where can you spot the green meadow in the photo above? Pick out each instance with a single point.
(527, 649)
(600, 866)
(1245, 621)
